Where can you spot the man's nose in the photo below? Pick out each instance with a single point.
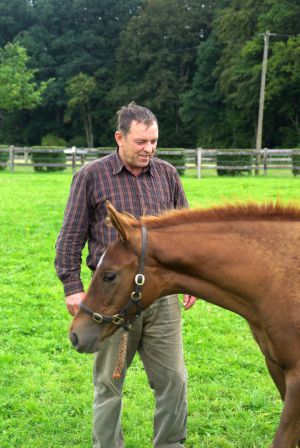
(148, 147)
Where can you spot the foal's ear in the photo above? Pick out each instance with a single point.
(120, 221)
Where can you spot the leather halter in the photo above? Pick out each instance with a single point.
(135, 297)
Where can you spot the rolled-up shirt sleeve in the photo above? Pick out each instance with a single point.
(74, 234)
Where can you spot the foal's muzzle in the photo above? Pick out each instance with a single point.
(74, 339)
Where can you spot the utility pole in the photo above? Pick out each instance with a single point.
(266, 35)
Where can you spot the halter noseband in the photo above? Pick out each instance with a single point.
(135, 297)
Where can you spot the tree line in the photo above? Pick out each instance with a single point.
(66, 67)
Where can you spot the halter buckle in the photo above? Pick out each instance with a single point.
(139, 279)
(116, 319)
(135, 296)
(97, 318)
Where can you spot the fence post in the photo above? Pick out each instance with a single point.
(199, 160)
(11, 158)
(74, 159)
(26, 155)
(265, 161)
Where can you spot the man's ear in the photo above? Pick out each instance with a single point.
(120, 221)
(119, 138)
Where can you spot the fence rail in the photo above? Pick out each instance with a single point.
(197, 159)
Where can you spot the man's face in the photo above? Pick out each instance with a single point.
(139, 145)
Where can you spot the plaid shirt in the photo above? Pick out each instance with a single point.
(158, 188)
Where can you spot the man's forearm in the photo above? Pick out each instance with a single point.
(68, 269)
(73, 236)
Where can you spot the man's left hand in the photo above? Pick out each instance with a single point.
(188, 301)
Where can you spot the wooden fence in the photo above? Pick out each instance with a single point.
(198, 159)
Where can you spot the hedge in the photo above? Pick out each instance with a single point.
(239, 163)
(177, 159)
(4, 156)
(296, 162)
(50, 155)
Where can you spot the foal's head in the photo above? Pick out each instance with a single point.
(113, 298)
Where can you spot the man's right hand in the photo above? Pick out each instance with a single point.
(72, 302)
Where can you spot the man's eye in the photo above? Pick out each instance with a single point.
(109, 276)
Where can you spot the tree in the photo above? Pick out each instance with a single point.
(197, 65)
(238, 68)
(80, 90)
(18, 89)
(280, 17)
(64, 39)
(156, 60)
(238, 31)
(283, 88)
(15, 17)
(202, 109)
(76, 36)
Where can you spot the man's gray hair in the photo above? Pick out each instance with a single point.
(133, 112)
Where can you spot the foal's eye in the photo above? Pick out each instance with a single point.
(109, 276)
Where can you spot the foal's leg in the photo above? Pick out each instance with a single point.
(288, 432)
(277, 375)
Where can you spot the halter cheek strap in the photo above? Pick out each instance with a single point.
(135, 297)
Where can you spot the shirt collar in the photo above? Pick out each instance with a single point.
(118, 165)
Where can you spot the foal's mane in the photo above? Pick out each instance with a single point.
(249, 211)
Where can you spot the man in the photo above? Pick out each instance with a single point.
(136, 183)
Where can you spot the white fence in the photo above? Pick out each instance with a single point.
(197, 159)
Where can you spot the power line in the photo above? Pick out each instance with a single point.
(115, 60)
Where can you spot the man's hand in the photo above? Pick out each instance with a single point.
(188, 301)
(72, 302)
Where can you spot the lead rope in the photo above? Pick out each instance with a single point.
(121, 356)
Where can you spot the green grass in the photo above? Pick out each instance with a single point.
(46, 388)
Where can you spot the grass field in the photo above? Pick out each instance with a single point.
(46, 389)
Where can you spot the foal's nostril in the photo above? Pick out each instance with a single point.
(74, 339)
